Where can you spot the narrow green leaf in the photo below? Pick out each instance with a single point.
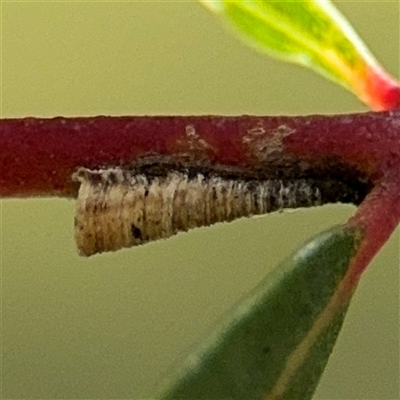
(276, 342)
(314, 34)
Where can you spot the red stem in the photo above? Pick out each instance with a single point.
(378, 216)
(39, 156)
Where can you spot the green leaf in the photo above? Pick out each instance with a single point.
(276, 342)
(314, 34)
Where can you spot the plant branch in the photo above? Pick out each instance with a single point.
(39, 156)
(360, 151)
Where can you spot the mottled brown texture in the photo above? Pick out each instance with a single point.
(119, 208)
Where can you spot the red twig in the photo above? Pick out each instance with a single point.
(39, 156)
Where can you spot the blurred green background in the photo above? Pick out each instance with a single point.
(111, 326)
